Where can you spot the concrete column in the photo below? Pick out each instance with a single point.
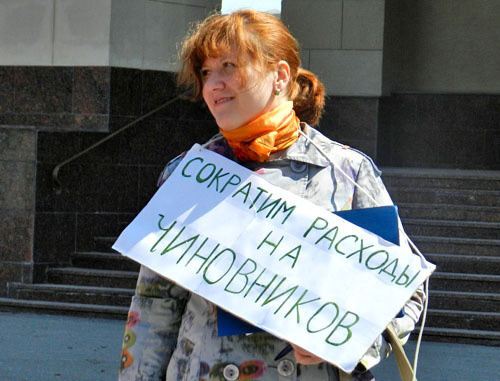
(341, 41)
(442, 46)
(140, 34)
(17, 205)
(146, 34)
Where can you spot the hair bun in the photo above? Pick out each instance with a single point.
(309, 100)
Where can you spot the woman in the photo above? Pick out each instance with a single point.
(246, 68)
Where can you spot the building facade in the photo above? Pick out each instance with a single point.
(411, 83)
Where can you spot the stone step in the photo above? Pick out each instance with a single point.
(449, 212)
(92, 277)
(99, 260)
(474, 320)
(72, 294)
(104, 243)
(445, 228)
(458, 335)
(77, 309)
(441, 178)
(459, 263)
(467, 246)
(465, 282)
(445, 196)
(464, 301)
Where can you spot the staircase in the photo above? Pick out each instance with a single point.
(99, 283)
(452, 216)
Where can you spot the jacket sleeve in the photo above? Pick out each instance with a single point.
(369, 178)
(153, 322)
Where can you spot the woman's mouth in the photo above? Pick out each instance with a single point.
(222, 100)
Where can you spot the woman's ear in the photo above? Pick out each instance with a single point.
(283, 77)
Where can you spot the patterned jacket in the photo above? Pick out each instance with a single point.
(172, 333)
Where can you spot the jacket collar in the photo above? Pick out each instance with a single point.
(303, 150)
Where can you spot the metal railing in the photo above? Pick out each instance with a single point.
(57, 168)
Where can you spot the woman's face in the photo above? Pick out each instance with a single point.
(231, 102)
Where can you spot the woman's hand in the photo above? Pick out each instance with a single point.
(304, 357)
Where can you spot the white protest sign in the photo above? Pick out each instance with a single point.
(272, 258)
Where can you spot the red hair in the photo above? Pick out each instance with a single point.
(260, 37)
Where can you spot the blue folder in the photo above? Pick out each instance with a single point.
(382, 221)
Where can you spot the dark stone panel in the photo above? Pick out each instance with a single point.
(474, 112)
(88, 187)
(494, 107)
(55, 147)
(41, 89)
(17, 182)
(384, 134)
(148, 142)
(188, 110)
(148, 178)
(108, 188)
(91, 90)
(414, 149)
(7, 92)
(357, 118)
(10, 272)
(157, 88)
(329, 122)
(58, 122)
(384, 152)
(91, 122)
(49, 121)
(16, 237)
(464, 149)
(443, 131)
(118, 122)
(492, 151)
(47, 199)
(156, 141)
(436, 111)
(39, 273)
(125, 92)
(27, 269)
(90, 225)
(351, 121)
(17, 144)
(400, 111)
(107, 152)
(54, 237)
(397, 116)
(185, 133)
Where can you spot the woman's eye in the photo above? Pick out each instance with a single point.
(228, 66)
(204, 73)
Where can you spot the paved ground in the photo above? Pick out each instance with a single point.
(48, 347)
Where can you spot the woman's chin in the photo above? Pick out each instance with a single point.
(227, 126)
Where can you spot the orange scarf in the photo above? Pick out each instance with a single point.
(271, 132)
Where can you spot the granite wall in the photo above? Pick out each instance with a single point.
(55, 98)
(352, 121)
(439, 131)
(48, 114)
(17, 204)
(68, 110)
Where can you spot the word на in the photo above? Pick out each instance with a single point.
(253, 196)
(217, 267)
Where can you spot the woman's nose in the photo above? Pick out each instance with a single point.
(215, 81)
